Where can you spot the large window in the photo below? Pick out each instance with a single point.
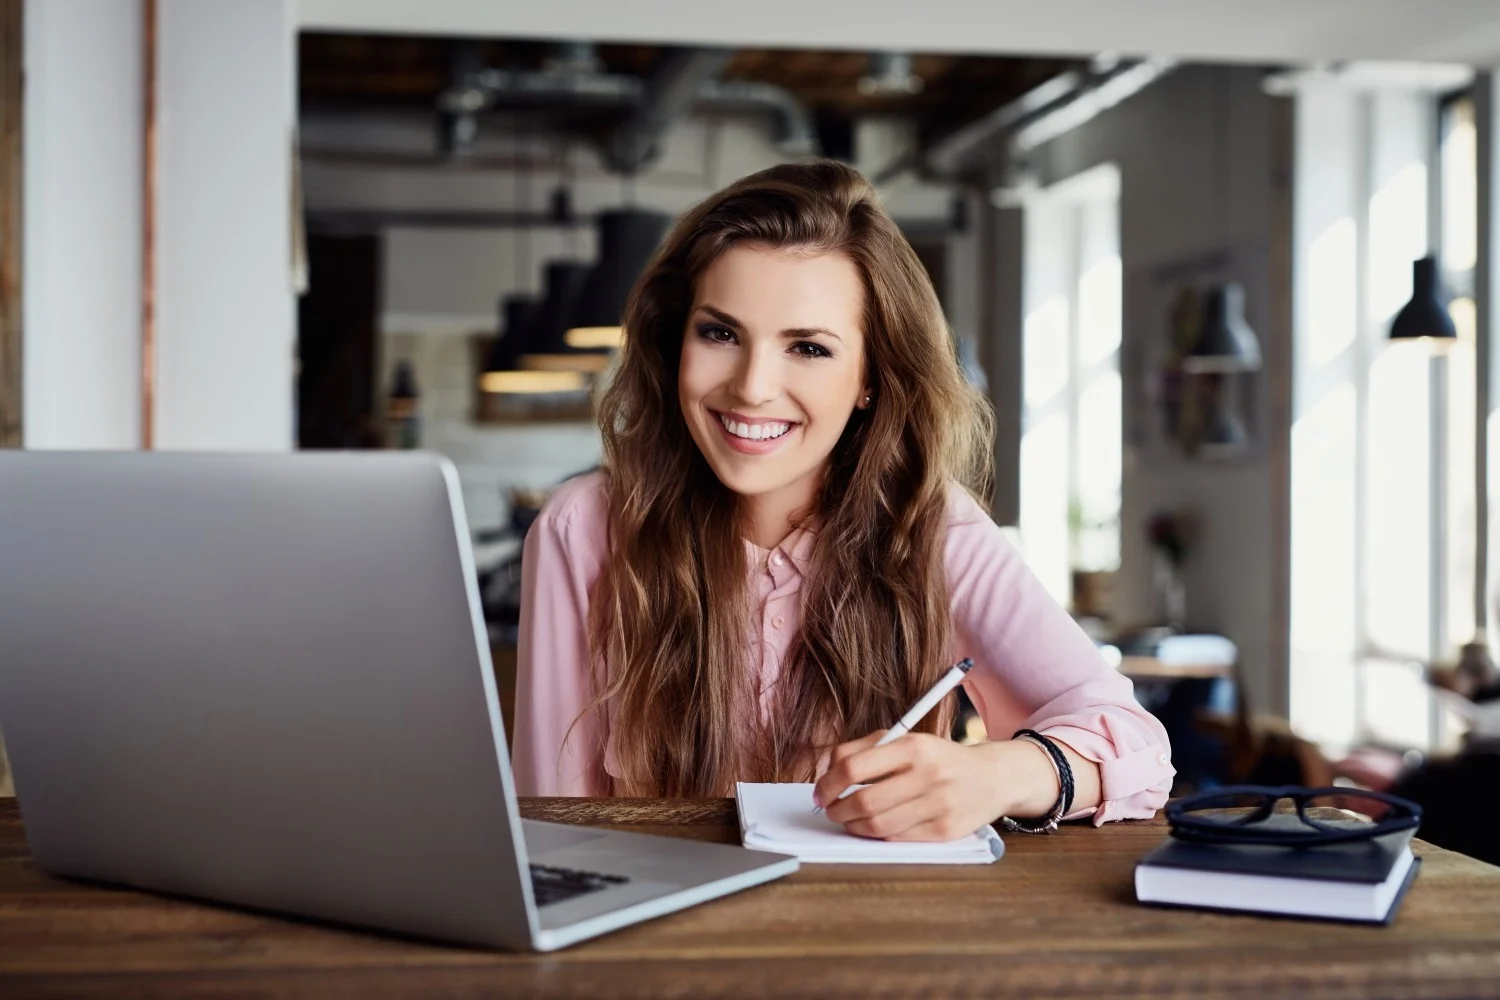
(1071, 440)
(1383, 518)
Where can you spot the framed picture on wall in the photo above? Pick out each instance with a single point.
(1173, 413)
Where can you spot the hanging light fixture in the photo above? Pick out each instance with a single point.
(627, 239)
(533, 383)
(1223, 430)
(529, 327)
(1225, 342)
(516, 312)
(1225, 348)
(1425, 317)
(547, 346)
(502, 373)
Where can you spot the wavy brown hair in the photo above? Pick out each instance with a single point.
(670, 620)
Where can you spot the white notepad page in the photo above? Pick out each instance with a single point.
(780, 818)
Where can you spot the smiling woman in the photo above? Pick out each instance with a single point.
(772, 368)
(784, 549)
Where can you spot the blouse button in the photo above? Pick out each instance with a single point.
(777, 560)
(1161, 758)
(777, 622)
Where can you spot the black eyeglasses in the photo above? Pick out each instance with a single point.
(1198, 817)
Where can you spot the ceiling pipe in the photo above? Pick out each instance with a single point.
(457, 124)
(571, 77)
(670, 91)
(563, 80)
(574, 57)
(890, 74)
(795, 133)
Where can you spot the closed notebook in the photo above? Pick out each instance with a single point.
(1362, 881)
(780, 818)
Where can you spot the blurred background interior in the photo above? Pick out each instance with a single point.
(1228, 272)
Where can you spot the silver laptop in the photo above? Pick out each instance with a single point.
(265, 680)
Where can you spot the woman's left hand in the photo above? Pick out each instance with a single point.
(924, 787)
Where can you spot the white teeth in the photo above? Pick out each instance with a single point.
(754, 432)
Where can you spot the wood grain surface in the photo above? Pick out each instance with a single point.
(1055, 918)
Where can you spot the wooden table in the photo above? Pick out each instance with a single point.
(1055, 918)
(1149, 668)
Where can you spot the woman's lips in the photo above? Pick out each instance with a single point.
(750, 445)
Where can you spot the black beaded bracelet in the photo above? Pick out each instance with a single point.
(1064, 803)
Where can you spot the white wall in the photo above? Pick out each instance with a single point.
(1487, 293)
(226, 316)
(1325, 494)
(1269, 30)
(82, 167)
(224, 303)
(1170, 210)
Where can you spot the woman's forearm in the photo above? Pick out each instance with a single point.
(1033, 777)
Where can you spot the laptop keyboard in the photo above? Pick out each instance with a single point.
(550, 884)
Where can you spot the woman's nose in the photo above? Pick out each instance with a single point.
(757, 379)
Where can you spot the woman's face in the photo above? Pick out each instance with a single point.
(773, 365)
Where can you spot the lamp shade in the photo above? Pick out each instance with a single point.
(516, 312)
(627, 239)
(1225, 342)
(1225, 430)
(563, 281)
(518, 335)
(1425, 316)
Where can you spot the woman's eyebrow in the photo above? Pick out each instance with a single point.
(790, 333)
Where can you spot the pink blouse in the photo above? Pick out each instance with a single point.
(1033, 667)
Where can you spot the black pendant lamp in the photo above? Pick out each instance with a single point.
(547, 348)
(1425, 317)
(1225, 343)
(516, 312)
(627, 239)
(501, 374)
(1224, 429)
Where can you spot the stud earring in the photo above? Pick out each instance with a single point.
(868, 399)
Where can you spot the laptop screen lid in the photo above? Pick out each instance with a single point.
(261, 679)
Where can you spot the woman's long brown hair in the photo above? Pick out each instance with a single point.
(670, 615)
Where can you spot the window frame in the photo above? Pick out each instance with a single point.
(1070, 200)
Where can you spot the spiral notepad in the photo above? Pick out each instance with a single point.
(780, 818)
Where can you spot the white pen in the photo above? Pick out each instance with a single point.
(946, 683)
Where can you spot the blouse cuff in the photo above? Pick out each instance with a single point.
(1132, 785)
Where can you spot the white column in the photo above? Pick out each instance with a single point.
(81, 291)
(1328, 214)
(225, 306)
(1487, 297)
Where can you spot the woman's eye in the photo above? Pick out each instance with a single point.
(808, 349)
(716, 334)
